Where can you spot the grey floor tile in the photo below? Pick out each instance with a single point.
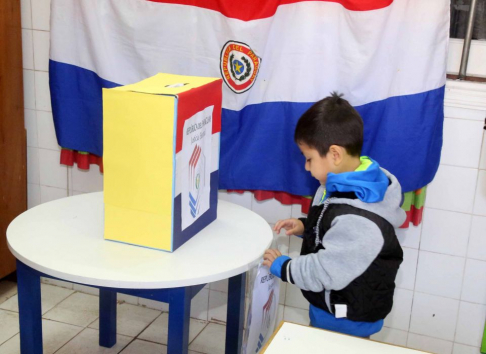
(50, 297)
(78, 309)
(131, 319)
(157, 332)
(211, 340)
(12, 346)
(87, 342)
(143, 347)
(54, 336)
(9, 325)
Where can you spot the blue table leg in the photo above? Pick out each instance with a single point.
(236, 313)
(179, 311)
(107, 318)
(30, 314)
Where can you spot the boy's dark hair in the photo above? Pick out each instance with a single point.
(331, 121)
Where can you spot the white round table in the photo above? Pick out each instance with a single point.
(64, 239)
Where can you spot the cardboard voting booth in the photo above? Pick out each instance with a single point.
(263, 310)
(161, 159)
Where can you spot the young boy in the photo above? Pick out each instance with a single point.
(350, 254)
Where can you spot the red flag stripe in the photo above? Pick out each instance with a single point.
(257, 9)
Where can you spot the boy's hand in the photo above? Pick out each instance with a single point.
(269, 256)
(293, 226)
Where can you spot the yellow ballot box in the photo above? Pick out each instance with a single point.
(161, 159)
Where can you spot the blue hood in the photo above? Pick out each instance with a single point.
(370, 185)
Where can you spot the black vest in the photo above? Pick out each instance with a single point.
(369, 297)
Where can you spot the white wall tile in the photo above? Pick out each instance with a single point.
(280, 314)
(46, 131)
(477, 239)
(51, 193)
(399, 317)
(41, 14)
(221, 286)
(410, 237)
(129, 299)
(464, 113)
(482, 159)
(152, 304)
(199, 305)
(26, 14)
(29, 89)
(33, 175)
(87, 180)
(86, 289)
(30, 121)
(439, 274)
(243, 199)
(462, 142)
(429, 344)
(474, 288)
(27, 49)
(218, 304)
(294, 298)
(470, 324)
(282, 292)
(33, 195)
(295, 246)
(391, 336)
(480, 199)
(445, 232)
(271, 210)
(55, 282)
(434, 316)
(296, 315)
(41, 50)
(42, 93)
(452, 189)
(464, 349)
(296, 211)
(52, 173)
(408, 268)
(281, 241)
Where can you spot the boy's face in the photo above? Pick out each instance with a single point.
(317, 165)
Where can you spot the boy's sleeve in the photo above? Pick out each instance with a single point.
(350, 246)
(304, 221)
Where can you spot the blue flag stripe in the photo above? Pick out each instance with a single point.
(403, 133)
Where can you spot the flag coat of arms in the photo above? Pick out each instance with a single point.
(276, 58)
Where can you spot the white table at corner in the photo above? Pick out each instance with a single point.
(63, 239)
(291, 338)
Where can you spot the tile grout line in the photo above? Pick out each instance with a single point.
(69, 341)
(128, 344)
(9, 339)
(150, 323)
(197, 335)
(414, 285)
(465, 261)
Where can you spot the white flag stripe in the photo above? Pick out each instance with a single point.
(125, 41)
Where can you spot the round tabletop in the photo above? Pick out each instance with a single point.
(64, 239)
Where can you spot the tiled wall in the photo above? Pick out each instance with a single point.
(440, 302)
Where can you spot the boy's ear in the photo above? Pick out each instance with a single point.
(337, 154)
